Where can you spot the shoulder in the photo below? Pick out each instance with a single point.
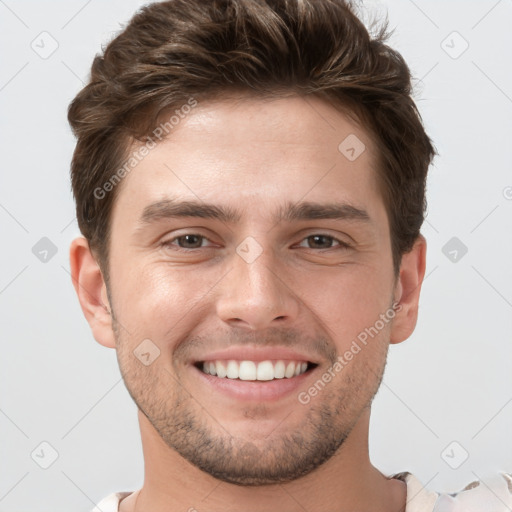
(493, 494)
(490, 494)
(111, 502)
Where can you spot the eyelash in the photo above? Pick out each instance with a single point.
(169, 243)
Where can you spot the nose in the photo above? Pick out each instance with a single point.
(256, 294)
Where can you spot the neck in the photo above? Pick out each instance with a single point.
(347, 481)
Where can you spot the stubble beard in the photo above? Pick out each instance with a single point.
(187, 426)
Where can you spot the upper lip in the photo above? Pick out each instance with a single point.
(257, 354)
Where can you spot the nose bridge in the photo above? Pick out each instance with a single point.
(254, 294)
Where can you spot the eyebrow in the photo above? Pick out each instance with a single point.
(305, 210)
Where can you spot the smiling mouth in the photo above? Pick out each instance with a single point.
(255, 370)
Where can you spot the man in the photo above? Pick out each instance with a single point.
(250, 184)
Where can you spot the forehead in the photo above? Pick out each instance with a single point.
(252, 153)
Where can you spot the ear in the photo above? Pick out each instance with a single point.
(92, 291)
(407, 291)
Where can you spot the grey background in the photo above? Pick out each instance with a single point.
(450, 382)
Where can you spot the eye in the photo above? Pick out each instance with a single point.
(320, 241)
(188, 241)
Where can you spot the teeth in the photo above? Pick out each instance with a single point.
(251, 370)
(232, 370)
(247, 370)
(265, 371)
(279, 369)
(221, 370)
(290, 370)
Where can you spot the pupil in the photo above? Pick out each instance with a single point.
(317, 239)
(189, 240)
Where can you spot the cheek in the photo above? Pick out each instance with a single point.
(346, 302)
(159, 299)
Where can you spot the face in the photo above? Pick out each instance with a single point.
(249, 230)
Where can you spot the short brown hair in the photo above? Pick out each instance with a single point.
(174, 50)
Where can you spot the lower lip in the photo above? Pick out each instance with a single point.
(268, 391)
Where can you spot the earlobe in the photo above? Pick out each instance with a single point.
(407, 291)
(91, 290)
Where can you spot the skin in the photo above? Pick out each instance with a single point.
(203, 449)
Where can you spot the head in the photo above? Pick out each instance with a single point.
(241, 126)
